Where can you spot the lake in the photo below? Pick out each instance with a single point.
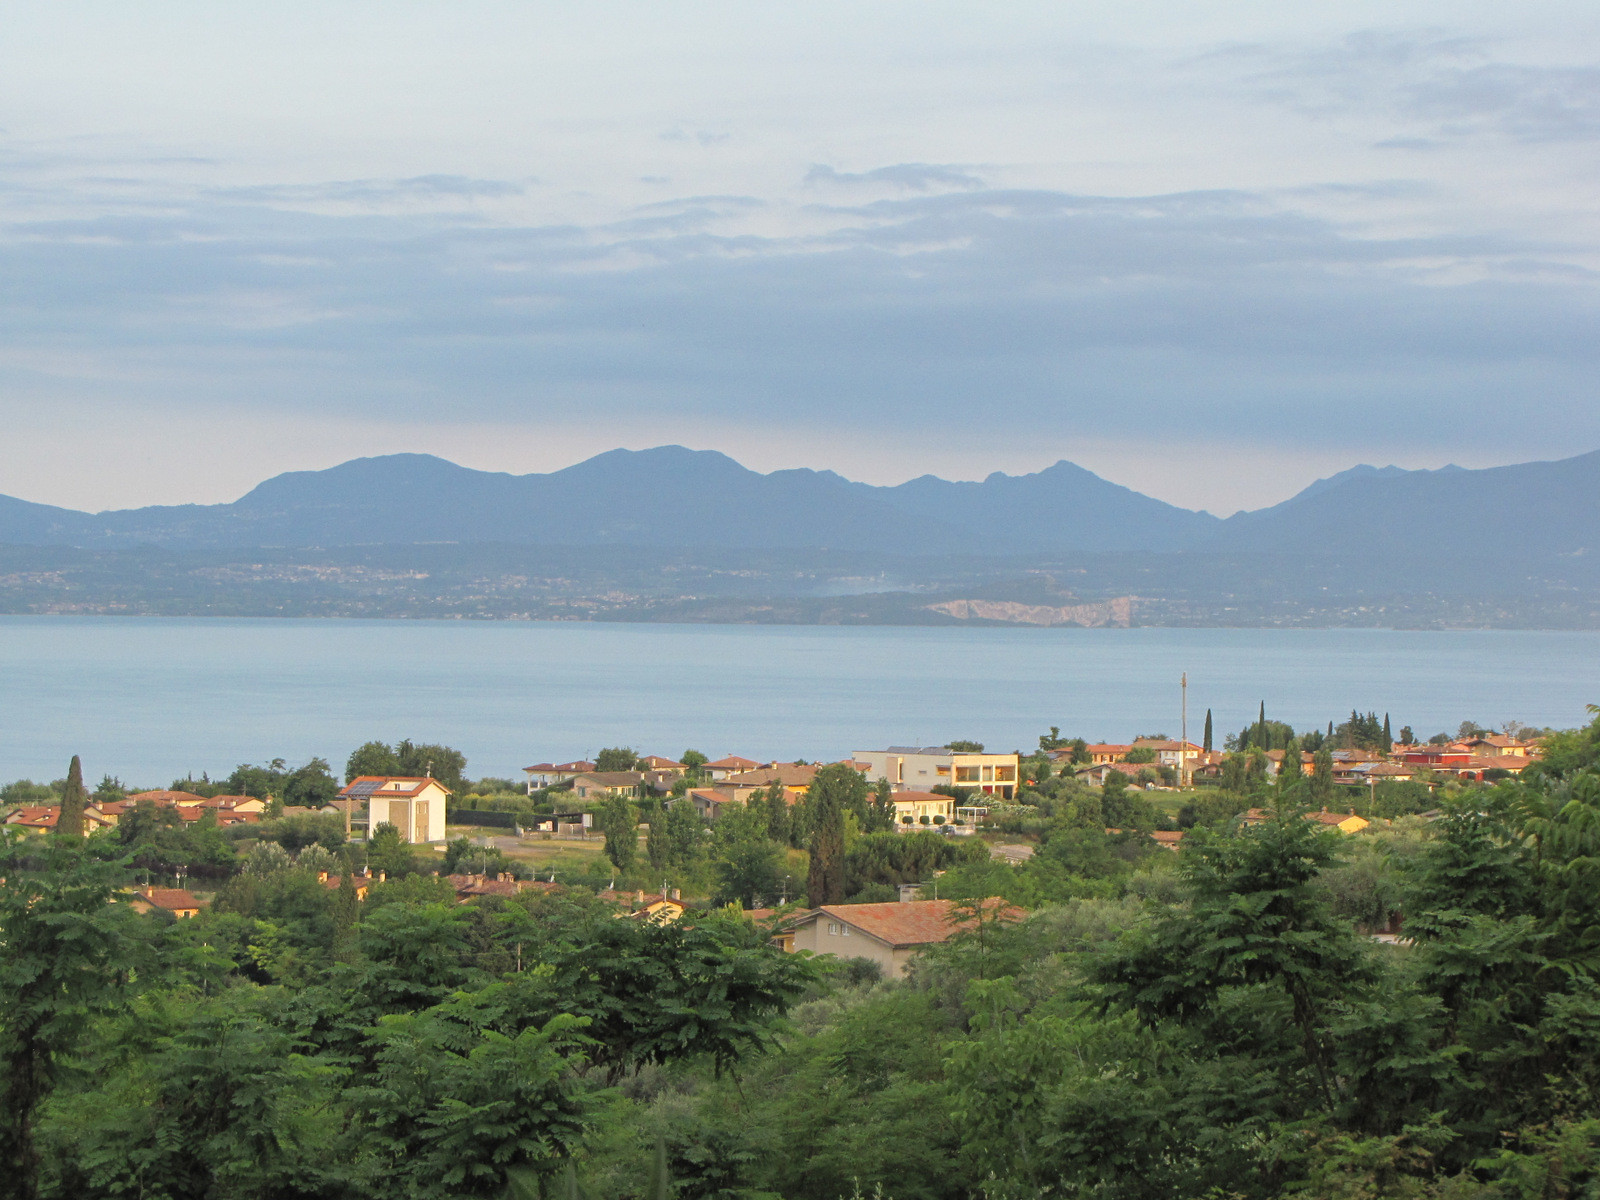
(151, 699)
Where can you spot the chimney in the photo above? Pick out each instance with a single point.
(676, 894)
(639, 897)
(382, 876)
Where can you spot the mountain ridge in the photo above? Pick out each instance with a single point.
(677, 497)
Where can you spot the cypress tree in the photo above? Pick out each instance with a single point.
(1206, 743)
(73, 801)
(1322, 775)
(346, 913)
(1388, 738)
(1261, 738)
(829, 797)
(1291, 761)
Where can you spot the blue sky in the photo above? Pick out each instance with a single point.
(1209, 254)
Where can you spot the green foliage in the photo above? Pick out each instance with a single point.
(408, 759)
(616, 758)
(74, 798)
(619, 822)
(67, 958)
(389, 852)
(1140, 754)
(837, 789)
(965, 747)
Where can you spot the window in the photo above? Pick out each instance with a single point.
(833, 928)
(966, 774)
(988, 774)
(844, 931)
(942, 770)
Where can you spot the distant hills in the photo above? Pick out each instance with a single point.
(672, 497)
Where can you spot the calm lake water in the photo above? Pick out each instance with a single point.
(151, 699)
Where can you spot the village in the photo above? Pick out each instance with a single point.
(577, 821)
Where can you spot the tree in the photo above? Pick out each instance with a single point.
(657, 843)
(778, 819)
(310, 786)
(1322, 775)
(1052, 740)
(619, 823)
(387, 851)
(686, 833)
(1407, 737)
(371, 758)
(749, 873)
(66, 959)
(346, 915)
(73, 800)
(616, 758)
(1388, 737)
(693, 759)
(880, 817)
(445, 764)
(965, 747)
(838, 788)
(1291, 762)
(1206, 742)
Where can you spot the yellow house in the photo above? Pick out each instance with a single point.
(918, 805)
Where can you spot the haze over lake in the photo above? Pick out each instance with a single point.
(149, 699)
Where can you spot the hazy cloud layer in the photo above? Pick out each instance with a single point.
(1254, 245)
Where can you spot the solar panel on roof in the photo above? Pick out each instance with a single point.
(363, 787)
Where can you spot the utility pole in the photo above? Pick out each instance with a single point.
(1183, 735)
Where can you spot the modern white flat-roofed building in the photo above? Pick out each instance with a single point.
(413, 806)
(922, 768)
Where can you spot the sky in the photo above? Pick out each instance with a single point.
(1212, 252)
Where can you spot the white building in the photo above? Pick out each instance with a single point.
(922, 768)
(413, 806)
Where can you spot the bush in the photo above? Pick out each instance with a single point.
(938, 820)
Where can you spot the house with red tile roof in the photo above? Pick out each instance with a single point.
(889, 934)
(543, 775)
(654, 762)
(42, 818)
(166, 798)
(175, 902)
(412, 804)
(732, 765)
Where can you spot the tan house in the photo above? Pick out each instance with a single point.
(166, 798)
(543, 775)
(415, 806)
(888, 934)
(732, 765)
(919, 805)
(235, 804)
(645, 906)
(598, 785)
(175, 902)
(42, 818)
(1343, 822)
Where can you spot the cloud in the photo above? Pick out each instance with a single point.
(376, 191)
(1447, 88)
(916, 177)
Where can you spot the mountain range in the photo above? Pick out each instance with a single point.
(672, 497)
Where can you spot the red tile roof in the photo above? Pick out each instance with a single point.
(170, 899)
(164, 796)
(417, 782)
(734, 763)
(912, 922)
(788, 774)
